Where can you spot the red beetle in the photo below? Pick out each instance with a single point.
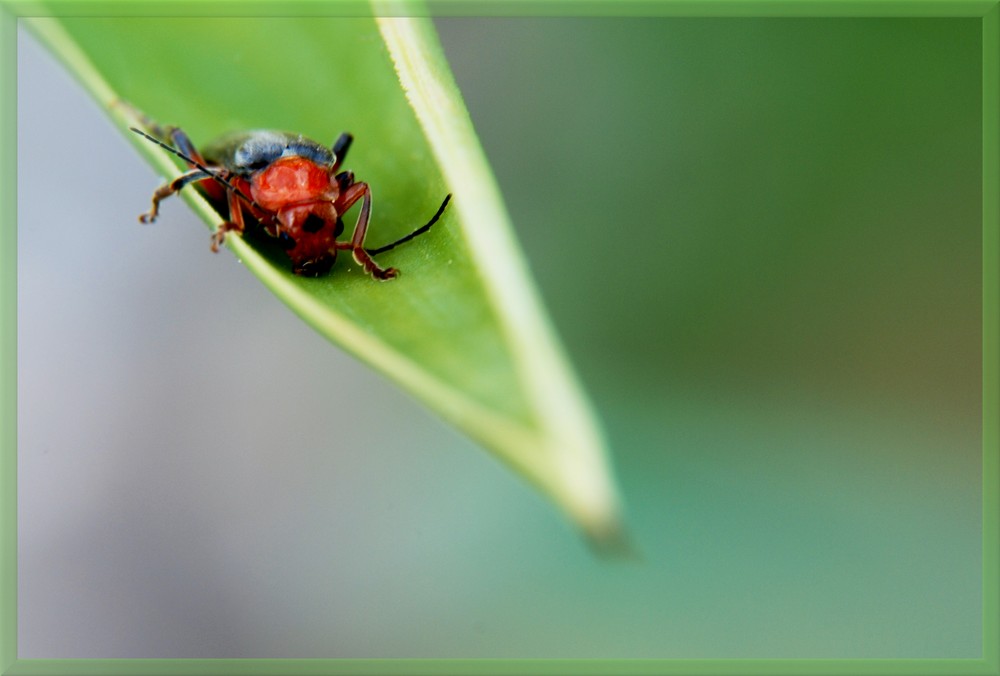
(288, 184)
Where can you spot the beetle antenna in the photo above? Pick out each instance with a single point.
(197, 165)
(419, 231)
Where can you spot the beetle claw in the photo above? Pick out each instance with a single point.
(370, 267)
(385, 275)
(218, 237)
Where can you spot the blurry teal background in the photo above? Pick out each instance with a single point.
(760, 242)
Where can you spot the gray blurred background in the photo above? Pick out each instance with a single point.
(760, 242)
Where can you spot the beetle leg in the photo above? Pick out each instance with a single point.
(168, 189)
(340, 147)
(233, 225)
(345, 180)
(357, 244)
(183, 143)
(168, 134)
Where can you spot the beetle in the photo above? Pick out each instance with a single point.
(291, 185)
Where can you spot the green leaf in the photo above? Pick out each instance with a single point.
(462, 328)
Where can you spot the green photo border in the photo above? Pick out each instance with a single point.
(989, 13)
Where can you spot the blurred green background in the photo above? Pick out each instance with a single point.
(760, 242)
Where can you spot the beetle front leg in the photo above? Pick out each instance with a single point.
(168, 189)
(357, 244)
(235, 224)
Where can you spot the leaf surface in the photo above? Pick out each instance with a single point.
(462, 328)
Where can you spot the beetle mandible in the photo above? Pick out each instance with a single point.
(289, 184)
